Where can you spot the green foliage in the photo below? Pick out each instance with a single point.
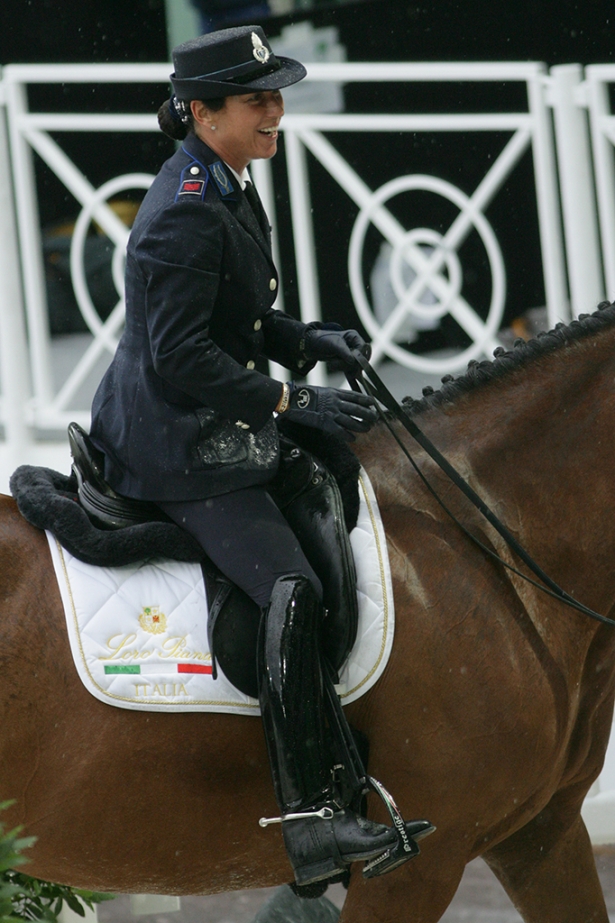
(25, 898)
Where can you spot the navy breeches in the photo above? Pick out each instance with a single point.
(247, 537)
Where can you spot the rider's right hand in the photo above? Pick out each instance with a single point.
(331, 410)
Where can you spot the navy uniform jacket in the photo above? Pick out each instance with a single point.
(181, 413)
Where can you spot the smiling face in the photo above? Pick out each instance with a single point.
(245, 129)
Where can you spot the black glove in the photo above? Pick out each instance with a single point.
(341, 413)
(329, 341)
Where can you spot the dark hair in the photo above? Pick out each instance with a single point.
(174, 126)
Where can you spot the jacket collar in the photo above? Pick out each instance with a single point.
(236, 202)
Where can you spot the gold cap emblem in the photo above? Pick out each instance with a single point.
(260, 52)
(153, 620)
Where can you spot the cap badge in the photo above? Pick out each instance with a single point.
(260, 52)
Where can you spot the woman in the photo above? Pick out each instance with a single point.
(185, 420)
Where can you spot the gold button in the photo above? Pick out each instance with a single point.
(258, 324)
(250, 364)
(273, 285)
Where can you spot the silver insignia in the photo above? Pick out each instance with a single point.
(260, 52)
(221, 178)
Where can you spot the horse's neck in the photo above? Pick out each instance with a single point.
(538, 446)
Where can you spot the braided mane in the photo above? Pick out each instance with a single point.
(506, 361)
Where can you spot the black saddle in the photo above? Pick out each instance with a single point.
(106, 508)
(307, 494)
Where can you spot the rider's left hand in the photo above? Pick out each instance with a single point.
(340, 413)
(331, 342)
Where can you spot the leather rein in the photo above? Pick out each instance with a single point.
(374, 386)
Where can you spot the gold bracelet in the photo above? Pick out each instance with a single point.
(284, 400)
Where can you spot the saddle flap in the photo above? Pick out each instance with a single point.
(316, 516)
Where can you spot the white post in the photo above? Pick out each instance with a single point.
(552, 247)
(600, 118)
(303, 233)
(577, 188)
(13, 346)
(261, 173)
(30, 244)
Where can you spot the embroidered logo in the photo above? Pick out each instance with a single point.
(153, 620)
(260, 51)
(303, 399)
(220, 178)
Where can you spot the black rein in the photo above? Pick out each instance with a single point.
(374, 386)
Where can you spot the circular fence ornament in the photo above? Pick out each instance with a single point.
(117, 232)
(426, 277)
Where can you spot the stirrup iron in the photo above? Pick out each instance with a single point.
(408, 832)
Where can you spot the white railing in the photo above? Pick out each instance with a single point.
(423, 266)
(425, 270)
(435, 284)
(31, 132)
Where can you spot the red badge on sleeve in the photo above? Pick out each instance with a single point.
(192, 187)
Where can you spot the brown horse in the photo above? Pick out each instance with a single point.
(491, 719)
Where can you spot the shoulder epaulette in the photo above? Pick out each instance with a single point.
(193, 181)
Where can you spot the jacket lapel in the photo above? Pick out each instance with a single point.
(254, 201)
(247, 217)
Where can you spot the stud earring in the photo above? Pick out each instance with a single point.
(213, 127)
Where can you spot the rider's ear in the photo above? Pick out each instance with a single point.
(201, 114)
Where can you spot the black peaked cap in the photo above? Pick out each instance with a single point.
(230, 62)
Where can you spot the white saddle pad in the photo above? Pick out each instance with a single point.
(138, 634)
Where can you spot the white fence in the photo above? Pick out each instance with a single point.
(564, 121)
(425, 272)
(424, 266)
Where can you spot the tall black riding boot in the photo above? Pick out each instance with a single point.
(322, 835)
